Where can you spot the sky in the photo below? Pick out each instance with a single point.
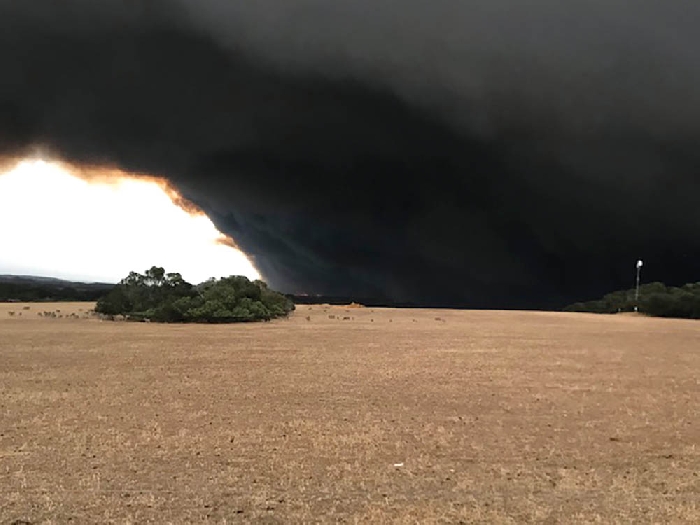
(100, 230)
(496, 154)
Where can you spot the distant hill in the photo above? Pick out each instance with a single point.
(27, 288)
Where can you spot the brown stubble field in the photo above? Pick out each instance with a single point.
(389, 416)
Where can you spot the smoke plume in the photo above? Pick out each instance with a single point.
(491, 153)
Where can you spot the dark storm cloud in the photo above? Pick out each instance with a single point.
(495, 153)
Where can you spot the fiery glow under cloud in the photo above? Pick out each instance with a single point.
(95, 224)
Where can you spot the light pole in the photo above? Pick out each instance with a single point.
(636, 293)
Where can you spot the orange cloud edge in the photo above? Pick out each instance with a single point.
(112, 175)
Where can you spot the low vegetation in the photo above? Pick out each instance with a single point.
(655, 299)
(166, 297)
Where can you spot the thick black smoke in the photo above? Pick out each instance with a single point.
(492, 153)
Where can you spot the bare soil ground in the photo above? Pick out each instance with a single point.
(401, 416)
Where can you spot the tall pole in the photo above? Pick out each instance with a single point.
(636, 293)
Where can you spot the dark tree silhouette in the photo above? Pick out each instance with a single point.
(167, 297)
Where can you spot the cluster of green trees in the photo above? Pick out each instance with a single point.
(655, 299)
(166, 297)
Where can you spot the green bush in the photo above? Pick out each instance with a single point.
(655, 299)
(168, 298)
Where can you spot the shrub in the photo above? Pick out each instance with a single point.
(655, 299)
(168, 298)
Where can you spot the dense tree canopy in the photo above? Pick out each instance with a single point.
(655, 299)
(167, 297)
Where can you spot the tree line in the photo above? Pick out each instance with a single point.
(655, 299)
(166, 297)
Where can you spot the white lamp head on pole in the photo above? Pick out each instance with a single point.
(640, 264)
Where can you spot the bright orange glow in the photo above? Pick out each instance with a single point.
(98, 224)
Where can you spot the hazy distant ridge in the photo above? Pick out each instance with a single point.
(30, 288)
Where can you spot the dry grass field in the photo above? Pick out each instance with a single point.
(403, 416)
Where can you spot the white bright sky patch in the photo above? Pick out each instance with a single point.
(55, 224)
